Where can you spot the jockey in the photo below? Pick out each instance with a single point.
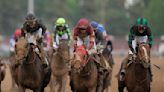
(83, 34)
(34, 31)
(102, 39)
(13, 40)
(100, 32)
(139, 32)
(61, 31)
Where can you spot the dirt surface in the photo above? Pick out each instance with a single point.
(157, 84)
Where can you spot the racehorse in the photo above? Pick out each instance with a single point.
(107, 56)
(60, 67)
(84, 72)
(137, 76)
(29, 72)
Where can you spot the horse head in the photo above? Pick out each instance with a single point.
(21, 49)
(143, 53)
(80, 59)
(63, 50)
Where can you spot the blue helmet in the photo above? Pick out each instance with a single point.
(94, 24)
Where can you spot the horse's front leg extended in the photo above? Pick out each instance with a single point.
(63, 85)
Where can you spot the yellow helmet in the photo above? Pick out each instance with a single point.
(60, 22)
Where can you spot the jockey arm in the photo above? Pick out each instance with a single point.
(150, 37)
(69, 34)
(56, 39)
(131, 38)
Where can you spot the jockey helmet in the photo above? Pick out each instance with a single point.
(60, 22)
(17, 33)
(94, 24)
(141, 22)
(83, 23)
(30, 17)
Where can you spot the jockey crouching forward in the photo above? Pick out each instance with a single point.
(61, 32)
(102, 41)
(83, 34)
(141, 33)
(34, 31)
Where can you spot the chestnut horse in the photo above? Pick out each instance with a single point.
(29, 74)
(84, 72)
(137, 77)
(60, 67)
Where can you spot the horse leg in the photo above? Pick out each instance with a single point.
(63, 84)
(121, 86)
(107, 89)
(53, 84)
(0, 86)
(21, 89)
(93, 89)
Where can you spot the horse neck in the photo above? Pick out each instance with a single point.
(31, 58)
(87, 69)
(59, 60)
(139, 71)
(106, 52)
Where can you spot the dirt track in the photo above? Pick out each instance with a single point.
(157, 85)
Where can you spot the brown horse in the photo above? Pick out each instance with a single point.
(60, 68)
(84, 72)
(137, 77)
(2, 72)
(29, 74)
(107, 56)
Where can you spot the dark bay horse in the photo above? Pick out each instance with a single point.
(107, 56)
(84, 72)
(29, 74)
(60, 67)
(137, 77)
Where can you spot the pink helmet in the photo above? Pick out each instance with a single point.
(17, 33)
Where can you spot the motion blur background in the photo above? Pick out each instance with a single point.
(116, 15)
